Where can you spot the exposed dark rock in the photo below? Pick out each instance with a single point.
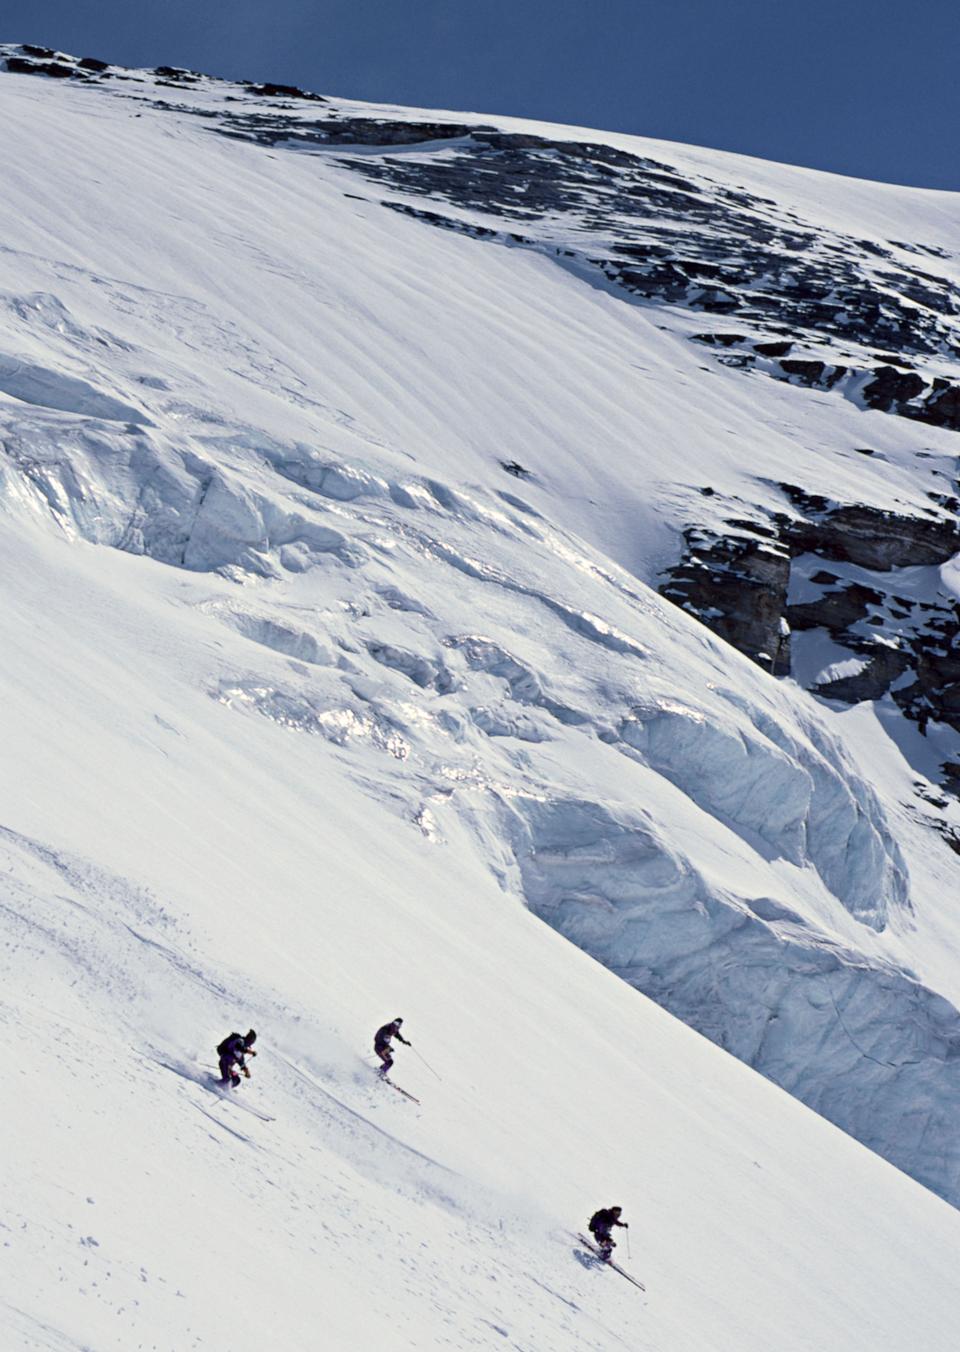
(31, 50)
(447, 222)
(721, 339)
(883, 668)
(889, 390)
(738, 586)
(835, 610)
(753, 527)
(269, 128)
(810, 372)
(93, 63)
(176, 74)
(55, 69)
(656, 233)
(516, 469)
(891, 387)
(877, 540)
(942, 408)
(275, 91)
(810, 503)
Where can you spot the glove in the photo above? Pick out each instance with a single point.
(250, 1052)
(246, 1072)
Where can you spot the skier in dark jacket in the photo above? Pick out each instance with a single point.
(232, 1052)
(601, 1223)
(381, 1043)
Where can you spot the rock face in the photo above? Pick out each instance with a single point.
(771, 273)
(742, 585)
(737, 584)
(871, 538)
(887, 388)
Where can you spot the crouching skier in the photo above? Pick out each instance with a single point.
(601, 1223)
(232, 1052)
(381, 1044)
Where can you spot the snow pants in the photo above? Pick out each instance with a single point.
(228, 1069)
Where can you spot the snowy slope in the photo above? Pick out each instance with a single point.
(212, 869)
(310, 710)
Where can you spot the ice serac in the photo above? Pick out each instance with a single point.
(844, 1035)
(509, 517)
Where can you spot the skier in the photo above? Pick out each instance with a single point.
(381, 1044)
(232, 1053)
(601, 1223)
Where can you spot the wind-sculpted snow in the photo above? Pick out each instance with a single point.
(762, 780)
(282, 636)
(53, 389)
(335, 651)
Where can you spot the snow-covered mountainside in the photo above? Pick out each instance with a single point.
(417, 527)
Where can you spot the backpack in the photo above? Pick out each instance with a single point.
(224, 1046)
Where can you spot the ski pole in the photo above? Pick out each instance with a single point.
(629, 1254)
(426, 1063)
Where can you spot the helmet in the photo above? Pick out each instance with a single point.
(617, 1209)
(398, 1022)
(250, 1038)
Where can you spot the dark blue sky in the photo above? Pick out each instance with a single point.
(864, 87)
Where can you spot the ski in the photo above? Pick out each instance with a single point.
(226, 1093)
(635, 1281)
(608, 1262)
(398, 1089)
(197, 1074)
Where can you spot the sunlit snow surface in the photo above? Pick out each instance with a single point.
(310, 710)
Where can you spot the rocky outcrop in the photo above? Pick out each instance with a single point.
(942, 405)
(871, 538)
(29, 59)
(872, 681)
(887, 388)
(61, 70)
(737, 585)
(283, 91)
(890, 389)
(652, 231)
(766, 580)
